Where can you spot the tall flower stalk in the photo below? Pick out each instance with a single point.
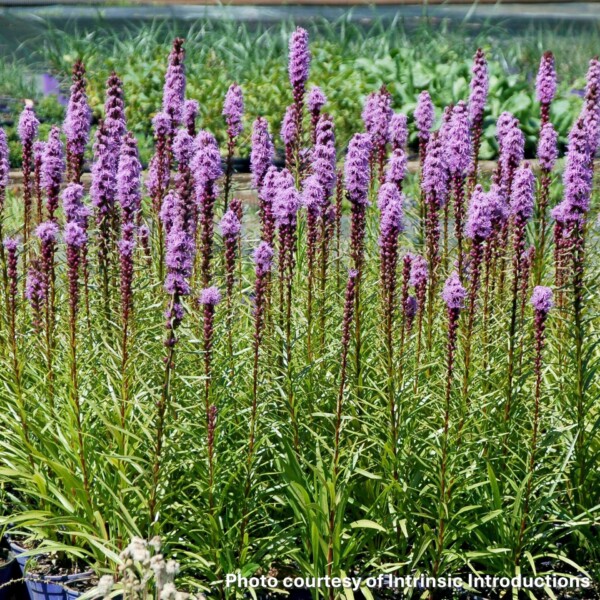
(206, 166)
(542, 303)
(233, 111)
(298, 69)
(28, 131)
(38, 155)
(209, 298)
(4, 179)
(75, 239)
(349, 305)
(454, 295)
(230, 232)
(545, 86)
(357, 178)
(77, 123)
(521, 207)
(53, 166)
(424, 115)
(174, 88)
(377, 114)
(477, 98)
(390, 226)
(180, 254)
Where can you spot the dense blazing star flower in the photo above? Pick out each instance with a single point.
(479, 87)
(102, 190)
(547, 147)
(210, 296)
(481, 214)
(454, 293)
(512, 150)
(376, 114)
(183, 147)
(545, 83)
(298, 62)
(397, 167)
(74, 235)
(114, 112)
(392, 217)
(398, 130)
(285, 206)
(179, 259)
(313, 196)
(35, 290)
(263, 258)
(523, 193)
(542, 299)
(53, 167)
(73, 206)
(289, 126)
(233, 110)
(191, 108)
(458, 144)
(323, 163)
(170, 211)
(174, 87)
(28, 125)
(388, 192)
(4, 163)
(78, 118)
(206, 163)
(578, 173)
(357, 170)
(592, 87)
(424, 114)
(435, 172)
(316, 100)
(129, 178)
(230, 225)
(418, 271)
(262, 152)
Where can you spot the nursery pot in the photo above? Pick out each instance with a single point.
(7, 574)
(52, 587)
(18, 552)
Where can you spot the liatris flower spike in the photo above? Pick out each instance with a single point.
(174, 87)
(233, 110)
(545, 85)
(298, 63)
(191, 108)
(262, 152)
(53, 166)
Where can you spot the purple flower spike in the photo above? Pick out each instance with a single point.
(183, 147)
(230, 225)
(263, 258)
(289, 126)
(398, 130)
(174, 88)
(357, 174)
(481, 213)
(313, 195)
(424, 113)
(459, 140)
(547, 148)
(179, 259)
(392, 216)
(4, 162)
(523, 193)
(418, 271)
(298, 62)
(545, 83)
(388, 192)
(78, 117)
(542, 299)
(191, 108)
(285, 207)
(206, 164)
(397, 167)
(75, 235)
(72, 202)
(28, 125)
(233, 110)
(377, 114)
(35, 290)
(129, 178)
(262, 153)
(114, 110)
(210, 296)
(454, 293)
(479, 87)
(435, 172)
(53, 163)
(316, 100)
